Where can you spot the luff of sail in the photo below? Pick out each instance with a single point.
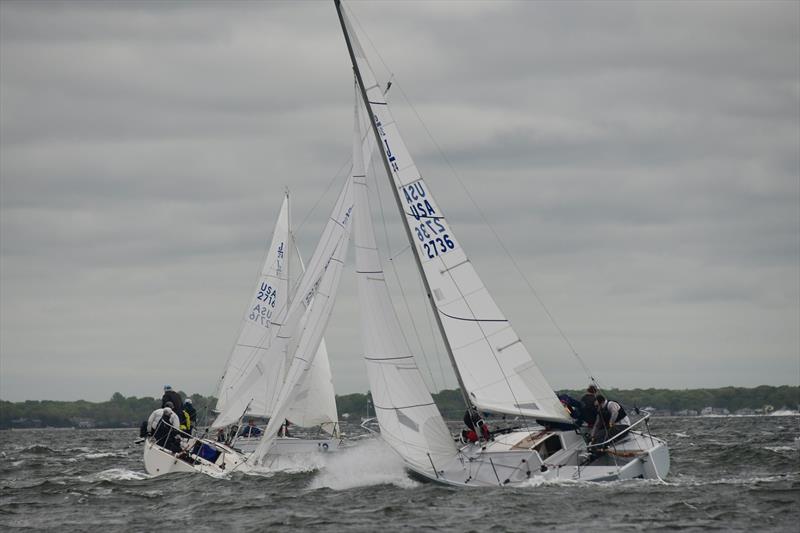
(493, 363)
(309, 312)
(409, 419)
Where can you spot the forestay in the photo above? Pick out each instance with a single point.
(409, 420)
(310, 310)
(495, 367)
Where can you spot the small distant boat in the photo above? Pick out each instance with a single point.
(495, 371)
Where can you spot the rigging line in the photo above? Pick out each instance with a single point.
(497, 237)
(483, 216)
(399, 284)
(327, 189)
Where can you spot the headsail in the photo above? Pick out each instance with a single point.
(315, 401)
(494, 366)
(258, 363)
(309, 312)
(409, 420)
(269, 298)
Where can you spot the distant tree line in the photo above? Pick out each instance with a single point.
(120, 411)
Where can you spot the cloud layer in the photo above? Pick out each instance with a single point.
(639, 160)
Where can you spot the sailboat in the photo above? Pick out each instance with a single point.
(255, 371)
(495, 371)
(279, 362)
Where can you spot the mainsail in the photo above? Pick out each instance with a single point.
(409, 420)
(309, 312)
(493, 364)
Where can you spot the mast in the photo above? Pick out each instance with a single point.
(399, 203)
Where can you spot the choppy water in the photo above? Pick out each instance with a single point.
(727, 474)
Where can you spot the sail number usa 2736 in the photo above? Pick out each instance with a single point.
(430, 227)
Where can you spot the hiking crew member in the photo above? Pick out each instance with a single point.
(163, 425)
(611, 419)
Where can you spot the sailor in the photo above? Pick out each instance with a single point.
(588, 409)
(475, 424)
(573, 406)
(611, 419)
(190, 416)
(250, 430)
(284, 430)
(468, 435)
(172, 396)
(163, 426)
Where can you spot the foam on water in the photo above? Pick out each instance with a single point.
(116, 474)
(369, 462)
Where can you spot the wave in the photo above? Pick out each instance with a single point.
(37, 449)
(368, 462)
(116, 474)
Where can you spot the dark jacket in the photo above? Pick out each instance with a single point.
(588, 409)
(189, 408)
(177, 403)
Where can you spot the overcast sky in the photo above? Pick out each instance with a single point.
(639, 161)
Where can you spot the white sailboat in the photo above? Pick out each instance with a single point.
(257, 366)
(264, 376)
(300, 334)
(495, 371)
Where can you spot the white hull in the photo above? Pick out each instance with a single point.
(288, 445)
(159, 461)
(523, 458)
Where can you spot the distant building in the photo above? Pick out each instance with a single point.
(83, 423)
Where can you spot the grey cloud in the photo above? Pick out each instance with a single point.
(638, 159)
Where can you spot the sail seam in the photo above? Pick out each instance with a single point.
(388, 358)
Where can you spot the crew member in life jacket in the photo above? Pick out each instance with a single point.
(611, 419)
(474, 424)
(189, 416)
(163, 425)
